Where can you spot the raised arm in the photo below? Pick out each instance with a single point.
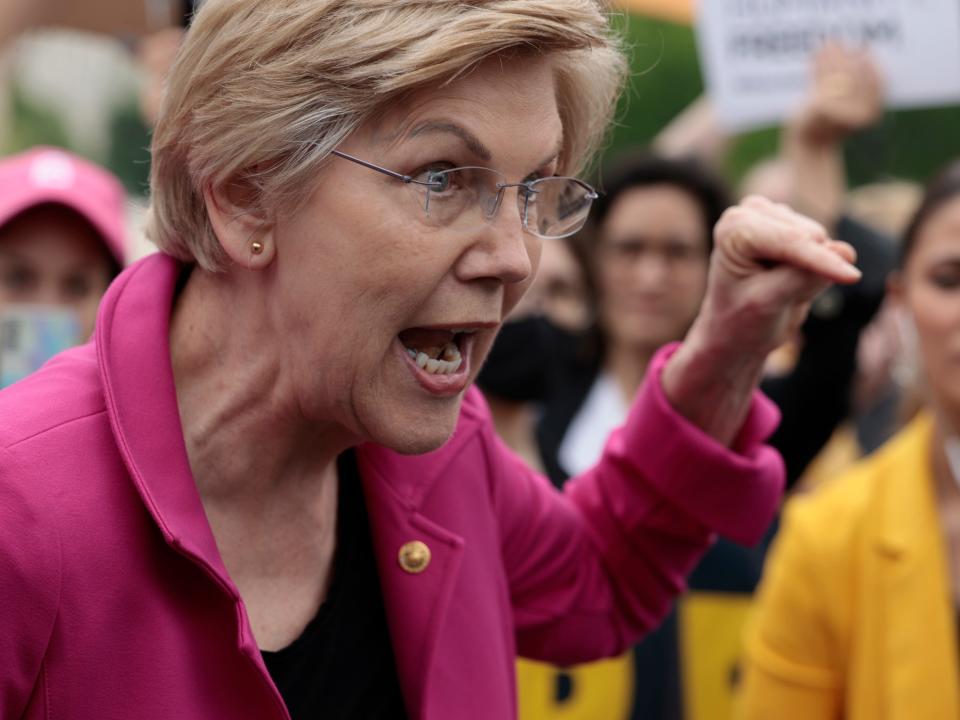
(593, 569)
(768, 265)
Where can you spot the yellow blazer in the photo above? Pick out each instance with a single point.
(854, 617)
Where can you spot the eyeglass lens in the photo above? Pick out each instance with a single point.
(467, 198)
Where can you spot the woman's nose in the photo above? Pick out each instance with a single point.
(43, 293)
(502, 250)
(651, 271)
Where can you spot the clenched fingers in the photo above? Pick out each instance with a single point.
(758, 234)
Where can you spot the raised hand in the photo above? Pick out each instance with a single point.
(846, 95)
(768, 264)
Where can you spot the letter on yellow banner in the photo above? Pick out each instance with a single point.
(602, 689)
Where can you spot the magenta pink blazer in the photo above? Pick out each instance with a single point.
(114, 603)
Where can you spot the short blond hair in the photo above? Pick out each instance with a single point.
(263, 90)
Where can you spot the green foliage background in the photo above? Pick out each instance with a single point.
(665, 79)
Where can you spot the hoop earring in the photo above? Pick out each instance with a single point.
(905, 369)
(256, 247)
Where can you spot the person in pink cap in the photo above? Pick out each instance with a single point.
(62, 228)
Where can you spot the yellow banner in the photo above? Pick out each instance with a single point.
(680, 11)
(602, 689)
(711, 637)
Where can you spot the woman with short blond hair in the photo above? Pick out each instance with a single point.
(266, 489)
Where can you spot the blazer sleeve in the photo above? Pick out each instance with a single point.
(593, 568)
(791, 662)
(29, 588)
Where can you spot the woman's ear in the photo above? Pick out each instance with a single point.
(242, 227)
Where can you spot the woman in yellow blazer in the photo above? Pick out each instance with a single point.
(856, 615)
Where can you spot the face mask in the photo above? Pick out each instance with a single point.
(32, 334)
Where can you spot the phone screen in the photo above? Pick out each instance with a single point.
(30, 335)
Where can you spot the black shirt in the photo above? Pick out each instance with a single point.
(342, 666)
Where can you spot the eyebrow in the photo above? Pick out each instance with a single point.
(469, 139)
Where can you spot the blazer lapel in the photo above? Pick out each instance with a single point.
(919, 652)
(416, 600)
(132, 341)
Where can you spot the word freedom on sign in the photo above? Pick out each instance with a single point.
(773, 42)
(757, 8)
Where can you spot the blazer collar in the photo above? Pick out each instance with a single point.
(915, 616)
(133, 352)
(397, 488)
(908, 508)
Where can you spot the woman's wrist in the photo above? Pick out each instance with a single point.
(712, 385)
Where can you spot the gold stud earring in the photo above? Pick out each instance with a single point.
(256, 247)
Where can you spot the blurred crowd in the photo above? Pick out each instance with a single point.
(850, 606)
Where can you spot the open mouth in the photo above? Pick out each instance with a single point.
(436, 352)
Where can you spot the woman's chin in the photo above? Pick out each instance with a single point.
(418, 443)
(415, 435)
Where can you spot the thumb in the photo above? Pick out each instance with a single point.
(844, 250)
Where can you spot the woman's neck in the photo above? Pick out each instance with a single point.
(628, 366)
(945, 432)
(245, 435)
(946, 478)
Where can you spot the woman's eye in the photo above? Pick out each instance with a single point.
(678, 252)
(948, 280)
(438, 181)
(530, 193)
(18, 279)
(76, 287)
(435, 175)
(628, 251)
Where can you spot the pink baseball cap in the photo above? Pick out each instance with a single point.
(50, 175)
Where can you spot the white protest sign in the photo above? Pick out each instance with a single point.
(756, 54)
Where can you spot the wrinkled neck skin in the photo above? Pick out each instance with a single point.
(627, 365)
(246, 436)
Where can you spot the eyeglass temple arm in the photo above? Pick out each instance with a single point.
(377, 168)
